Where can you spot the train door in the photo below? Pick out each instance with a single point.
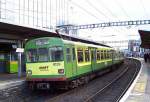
(93, 58)
(112, 56)
(74, 62)
(70, 60)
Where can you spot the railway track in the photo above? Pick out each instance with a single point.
(107, 91)
(101, 93)
(93, 91)
(21, 93)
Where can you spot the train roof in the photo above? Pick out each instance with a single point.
(85, 44)
(78, 39)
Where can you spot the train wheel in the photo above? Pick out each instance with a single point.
(86, 79)
(32, 86)
(73, 84)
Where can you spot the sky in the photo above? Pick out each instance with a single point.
(97, 11)
(50, 13)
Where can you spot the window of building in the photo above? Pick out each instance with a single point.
(80, 55)
(87, 55)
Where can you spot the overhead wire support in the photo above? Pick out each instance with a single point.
(109, 24)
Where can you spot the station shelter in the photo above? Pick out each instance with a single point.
(13, 37)
(145, 39)
(8, 58)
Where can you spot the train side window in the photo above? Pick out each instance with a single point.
(80, 55)
(68, 54)
(98, 55)
(87, 55)
(73, 53)
(108, 54)
(102, 55)
(105, 54)
(93, 54)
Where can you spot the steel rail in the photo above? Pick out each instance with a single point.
(136, 71)
(105, 87)
(73, 90)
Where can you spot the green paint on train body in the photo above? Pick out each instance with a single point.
(40, 66)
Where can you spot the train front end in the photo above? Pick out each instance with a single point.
(44, 62)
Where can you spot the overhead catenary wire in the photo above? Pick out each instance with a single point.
(90, 4)
(50, 22)
(83, 9)
(46, 13)
(100, 12)
(23, 11)
(28, 11)
(37, 7)
(113, 15)
(105, 7)
(144, 9)
(121, 6)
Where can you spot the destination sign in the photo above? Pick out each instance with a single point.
(41, 42)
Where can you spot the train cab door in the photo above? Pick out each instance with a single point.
(74, 61)
(93, 58)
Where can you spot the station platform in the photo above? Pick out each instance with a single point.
(9, 80)
(140, 89)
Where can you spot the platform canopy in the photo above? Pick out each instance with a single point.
(11, 31)
(145, 38)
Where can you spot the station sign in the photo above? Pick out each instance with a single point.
(20, 50)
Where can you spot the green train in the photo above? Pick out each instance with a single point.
(56, 62)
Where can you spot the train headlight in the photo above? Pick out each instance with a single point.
(29, 73)
(61, 71)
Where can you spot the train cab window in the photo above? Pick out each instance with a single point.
(87, 55)
(56, 53)
(42, 54)
(80, 55)
(98, 55)
(102, 55)
(68, 55)
(31, 55)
